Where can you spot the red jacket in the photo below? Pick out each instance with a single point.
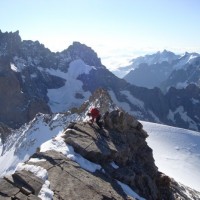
(94, 112)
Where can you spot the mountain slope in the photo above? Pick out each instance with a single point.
(186, 71)
(149, 76)
(165, 70)
(157, 58)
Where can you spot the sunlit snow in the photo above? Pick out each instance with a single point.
(176, 152)
(13, 67)
(183, 115)
(129, 191)
(132, 99)
(63, 98)
(186, 58)
(24, 143)
(125, 105)
(45, 192)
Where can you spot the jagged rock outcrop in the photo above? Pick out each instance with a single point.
(81, 51)
(9, 43)
(122, 154)
(16, 107)
(5, 131)
(100, 99)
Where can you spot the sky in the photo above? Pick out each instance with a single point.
(116, 30)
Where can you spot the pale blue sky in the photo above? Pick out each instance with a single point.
(116, 29)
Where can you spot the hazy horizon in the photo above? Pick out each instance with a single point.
(117, 31)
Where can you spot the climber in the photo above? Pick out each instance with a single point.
(95, 114)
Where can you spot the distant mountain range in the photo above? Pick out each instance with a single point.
(164, 70)
(33, 79)
(151, 59)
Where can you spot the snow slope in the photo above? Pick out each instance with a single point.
(176, 152)
(25, 141)
(61, 99)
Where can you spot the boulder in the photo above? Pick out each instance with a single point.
(122, 122)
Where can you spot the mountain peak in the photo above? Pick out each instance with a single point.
(100, 99)
(9, 43)
(166, 52)
(14, 34)
(80, 51)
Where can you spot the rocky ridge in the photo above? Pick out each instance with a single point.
(123, 157)
(119, 151)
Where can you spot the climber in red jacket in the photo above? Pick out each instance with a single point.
(95, 114)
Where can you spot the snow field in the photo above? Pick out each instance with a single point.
(176, 152)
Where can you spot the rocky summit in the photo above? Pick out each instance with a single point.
(121, 156)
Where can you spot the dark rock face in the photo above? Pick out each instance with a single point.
(9, 43)
(180, 78)
(5, 131)
(185, 101)
(16, 107)
(149, 76)
(25, 75)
